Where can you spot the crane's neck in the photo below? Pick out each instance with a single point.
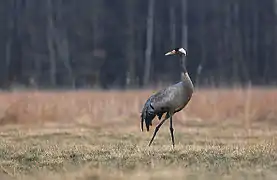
(183, 65)
(185, 76)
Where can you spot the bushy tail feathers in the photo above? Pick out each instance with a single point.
(147, 115)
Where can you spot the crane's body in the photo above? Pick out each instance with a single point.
(169, 100)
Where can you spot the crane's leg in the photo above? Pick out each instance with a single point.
(157, 128)
(171, 131)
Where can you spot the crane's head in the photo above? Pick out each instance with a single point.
(180, 51)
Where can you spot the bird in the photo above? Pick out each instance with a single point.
(169, 100)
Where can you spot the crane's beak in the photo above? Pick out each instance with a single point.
(170, 53)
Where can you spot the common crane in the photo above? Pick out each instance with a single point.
(169, 100)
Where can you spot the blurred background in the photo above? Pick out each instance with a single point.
(110, 44)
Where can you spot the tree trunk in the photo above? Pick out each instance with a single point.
(172, 34)
(202, 38)
(275, 40)
(15, 49)
(130, 51)
(61, 42)
(149, 41)
(184, 27)
(172, 18)
(50, 43)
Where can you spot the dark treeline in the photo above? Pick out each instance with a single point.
(121, 43)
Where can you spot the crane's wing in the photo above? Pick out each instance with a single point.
(157, 104)
(161, 100)
(148, 112)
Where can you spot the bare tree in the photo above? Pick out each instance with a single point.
(149, 41)
(184, 26)
(275, 32)
(50, 42)
(61, 41)
(130, 49)
(202, 42)
(172, 18)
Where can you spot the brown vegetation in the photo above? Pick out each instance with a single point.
(123, 107)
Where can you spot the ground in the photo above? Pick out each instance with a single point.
(222, 134)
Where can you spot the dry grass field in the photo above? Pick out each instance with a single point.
(222, 134)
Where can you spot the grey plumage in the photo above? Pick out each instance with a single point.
(169, 100)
